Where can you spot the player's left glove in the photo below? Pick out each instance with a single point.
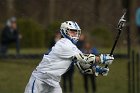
(98, 70)
(101, 71)
(106, 59)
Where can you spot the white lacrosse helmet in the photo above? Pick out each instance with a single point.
(70, 26)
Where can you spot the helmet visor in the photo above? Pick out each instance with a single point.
(74, 33)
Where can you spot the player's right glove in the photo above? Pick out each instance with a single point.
(101, 71)
(106, 59)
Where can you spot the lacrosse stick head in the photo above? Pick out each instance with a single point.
(122, 22)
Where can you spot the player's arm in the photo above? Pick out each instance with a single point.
(92, 69)
(91, 59)
(88, 63)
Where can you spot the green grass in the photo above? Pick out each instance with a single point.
(14, 75)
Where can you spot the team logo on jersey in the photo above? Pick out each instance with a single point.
(74, 48)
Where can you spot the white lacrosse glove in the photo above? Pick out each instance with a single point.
(85, 58)
(101, 71)
(106, 59)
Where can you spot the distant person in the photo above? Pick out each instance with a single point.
(56, 37)
(138, 21)
(10, 35)
(81, 42)
(87, 49)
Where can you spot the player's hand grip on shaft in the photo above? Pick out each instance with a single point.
(106, 59)
(101, 71)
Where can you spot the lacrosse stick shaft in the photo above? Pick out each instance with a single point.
(115, 43)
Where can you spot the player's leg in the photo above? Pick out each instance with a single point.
(3, 49)
(86, 82)
(64, 82)
(71, 82)
(30, 85)
(55, 90)
(93, 82)
(36, 86)
(17, 41)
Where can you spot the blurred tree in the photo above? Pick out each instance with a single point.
(97, 6)
(52, 10)
(10, 7)
(3, 8)
(47, 11)
(101, 36)
(51, 31)
(32, 33)
(87, 13)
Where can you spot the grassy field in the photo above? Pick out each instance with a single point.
(14, 75)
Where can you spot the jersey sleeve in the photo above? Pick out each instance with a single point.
(67, 50)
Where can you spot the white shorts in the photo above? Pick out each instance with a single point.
(36, 86)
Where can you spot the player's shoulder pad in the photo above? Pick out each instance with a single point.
(65, 43)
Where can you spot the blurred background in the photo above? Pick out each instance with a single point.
(29, 28)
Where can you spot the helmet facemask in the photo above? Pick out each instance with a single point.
(74, 34)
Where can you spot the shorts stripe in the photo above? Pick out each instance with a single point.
(33, 86)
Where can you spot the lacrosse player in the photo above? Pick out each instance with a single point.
(46, 77)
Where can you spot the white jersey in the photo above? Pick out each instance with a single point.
(56, 62)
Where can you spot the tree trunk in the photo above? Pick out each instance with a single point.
(10, 8)
(97, 10)
(52, 10)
